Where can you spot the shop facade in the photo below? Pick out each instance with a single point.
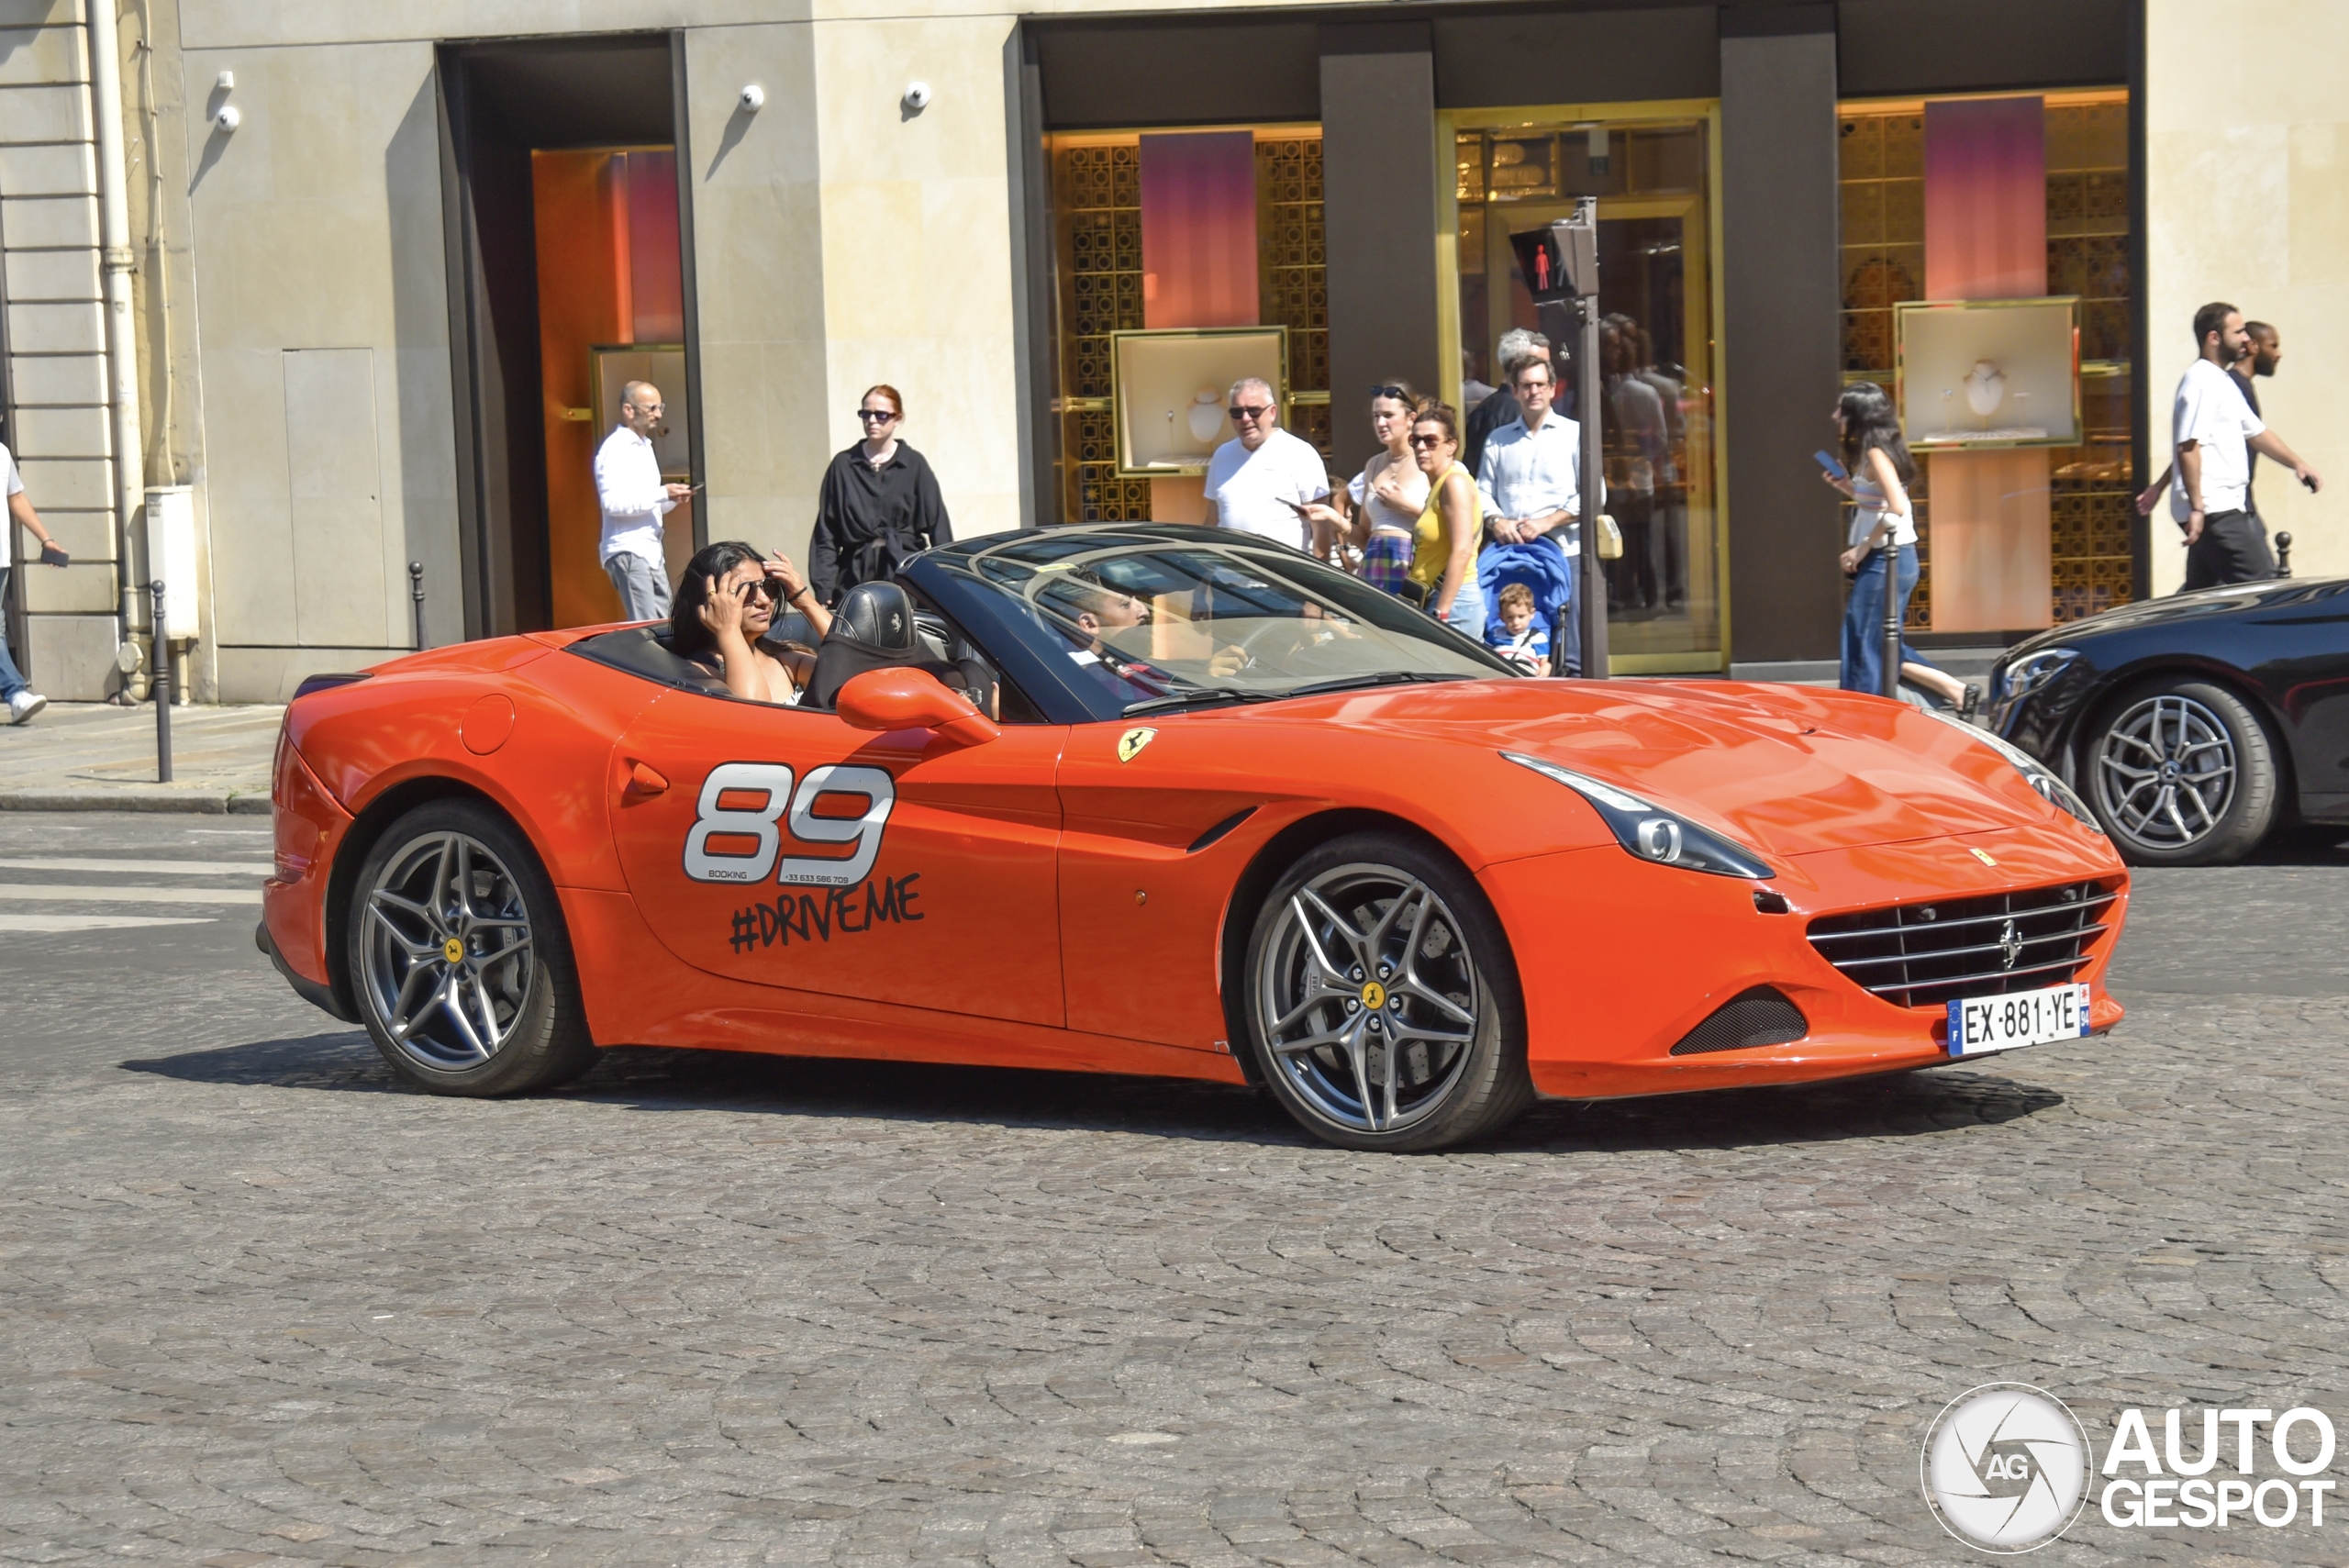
(377, 321)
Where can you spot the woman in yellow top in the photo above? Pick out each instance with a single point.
(1443, 555)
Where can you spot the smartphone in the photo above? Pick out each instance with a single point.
(1828, 462)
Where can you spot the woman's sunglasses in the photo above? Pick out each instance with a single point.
(1420, 440)
(883, 415)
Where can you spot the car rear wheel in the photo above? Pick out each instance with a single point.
(459, 958)
(2180, 773)
(1383, 1003)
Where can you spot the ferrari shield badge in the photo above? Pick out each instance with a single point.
(1131, 743)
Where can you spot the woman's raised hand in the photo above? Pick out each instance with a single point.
(722, 612)
(778, 566)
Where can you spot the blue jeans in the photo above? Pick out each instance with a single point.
(1862, 668)
(1468, 614)
(11, 683)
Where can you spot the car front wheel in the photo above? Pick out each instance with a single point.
(1383, 1000)
(459, 958)
(2180, 773)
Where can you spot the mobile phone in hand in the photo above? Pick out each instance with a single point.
(1833, 465)
(54, 555)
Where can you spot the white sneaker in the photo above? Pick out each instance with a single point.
(24, 705)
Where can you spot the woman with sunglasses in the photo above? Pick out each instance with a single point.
(1450, 528)
(1388, 495)
(726, 605)
(879, 504)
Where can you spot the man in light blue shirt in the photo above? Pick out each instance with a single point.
(1531, 473)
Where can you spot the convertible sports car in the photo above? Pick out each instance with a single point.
(2196, 724)
(1218, 812)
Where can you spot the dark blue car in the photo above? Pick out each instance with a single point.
(2197, 724)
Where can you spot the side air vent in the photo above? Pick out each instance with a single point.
(1760, 1016)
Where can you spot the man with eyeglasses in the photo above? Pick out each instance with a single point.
(1262, 480)
(634, 498)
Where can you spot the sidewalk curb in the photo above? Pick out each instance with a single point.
(139, 797)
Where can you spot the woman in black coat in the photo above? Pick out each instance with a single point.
(879, 505)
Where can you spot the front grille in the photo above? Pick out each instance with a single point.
(1923, 955)
(1757, 1015)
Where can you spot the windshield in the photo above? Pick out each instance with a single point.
(1133, 621)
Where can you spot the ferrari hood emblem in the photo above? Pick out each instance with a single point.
(1131, 743)
(1982, 855)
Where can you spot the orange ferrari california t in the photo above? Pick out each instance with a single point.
(1149, 799)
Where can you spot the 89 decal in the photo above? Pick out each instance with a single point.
(769, 785)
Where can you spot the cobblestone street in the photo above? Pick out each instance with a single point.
(260, 1305)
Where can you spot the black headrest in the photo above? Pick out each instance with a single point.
(878, 615)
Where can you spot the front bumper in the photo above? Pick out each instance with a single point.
(1620, 959)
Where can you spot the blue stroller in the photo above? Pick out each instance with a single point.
(1542, 566)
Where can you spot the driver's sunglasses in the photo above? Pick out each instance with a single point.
(1241, 411)
(766, 587)
(884, 415)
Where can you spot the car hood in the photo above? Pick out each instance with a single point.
(1785, 770)
(2179, 609)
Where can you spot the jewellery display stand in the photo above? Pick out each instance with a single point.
(1988, 373)
(1157, 377)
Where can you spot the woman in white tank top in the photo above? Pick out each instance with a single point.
(1883, 532)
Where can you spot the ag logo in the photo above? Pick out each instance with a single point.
(1131, 743)
(2005, 1467)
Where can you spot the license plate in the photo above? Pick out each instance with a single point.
(1981, 1025)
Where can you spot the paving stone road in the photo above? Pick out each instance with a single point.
(261, 1306)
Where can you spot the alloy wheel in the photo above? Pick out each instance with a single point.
(446, 955)
(2166, 773)
(1368, 997)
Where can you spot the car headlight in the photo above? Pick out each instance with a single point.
(2033, 671)
(1650, 831)
(2051, 787)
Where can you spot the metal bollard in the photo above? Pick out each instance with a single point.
(1891, 619)
(416, 593)
(2283, 555)
(161, 688)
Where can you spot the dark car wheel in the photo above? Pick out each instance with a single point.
(2180, 773)
(459, 958)
(1383, 1004)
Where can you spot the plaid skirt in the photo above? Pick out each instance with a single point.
(1386, 563)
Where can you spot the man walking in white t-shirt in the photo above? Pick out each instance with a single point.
(2215, 431)
(1261, 481)
(629, 489)
(22, 700)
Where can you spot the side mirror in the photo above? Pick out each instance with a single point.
(913, 699)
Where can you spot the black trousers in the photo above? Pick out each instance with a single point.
(2233, 548)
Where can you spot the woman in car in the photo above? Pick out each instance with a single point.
(726, 605)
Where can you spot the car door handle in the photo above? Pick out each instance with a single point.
(643, 783)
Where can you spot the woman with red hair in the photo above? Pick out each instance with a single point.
(879, 505)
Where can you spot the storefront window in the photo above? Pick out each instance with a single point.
(1653, 181)
(1103, 286)
(2085, 169)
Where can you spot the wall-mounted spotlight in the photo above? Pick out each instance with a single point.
(753, 98)
(917, 95)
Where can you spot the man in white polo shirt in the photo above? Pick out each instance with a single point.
(629, 489)
(1259, 482)
(2215, 432)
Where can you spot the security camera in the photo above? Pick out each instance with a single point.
(917, 95)
(228, 119)
(754, 98)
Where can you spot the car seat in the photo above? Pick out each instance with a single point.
(874, 628)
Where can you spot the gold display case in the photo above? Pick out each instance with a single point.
(1163, 428)
(1977, 373)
